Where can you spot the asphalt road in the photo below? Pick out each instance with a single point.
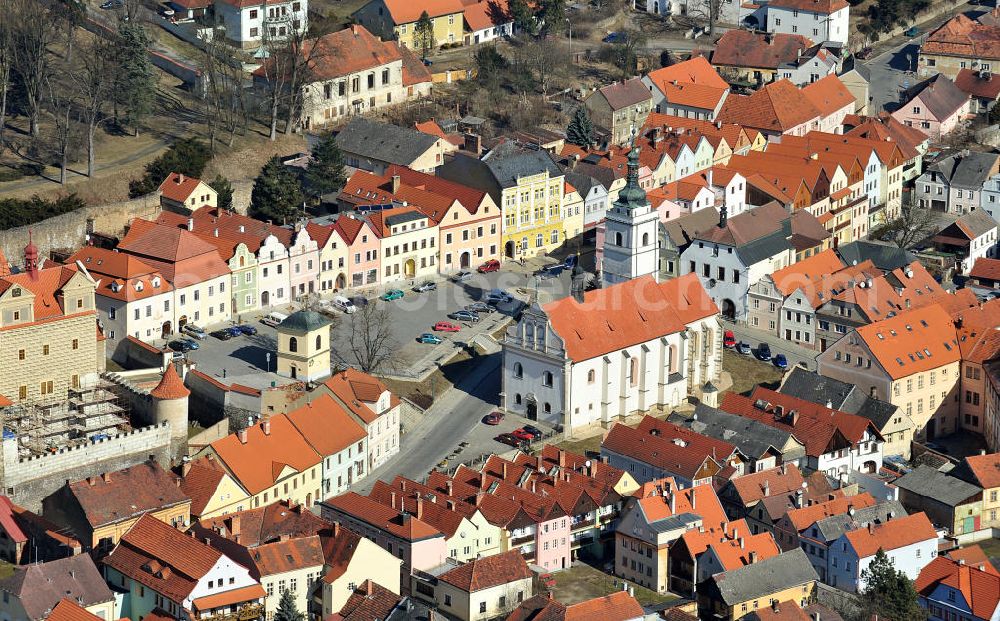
(755, 337)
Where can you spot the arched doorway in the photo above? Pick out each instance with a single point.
(728, 309)
(182, 321)
(410, 268)
(265, 298)
(508, 250)
(464, 260)
(165, 330)
(309, 500)
(341, 280)
(531, 408)
(870, 467)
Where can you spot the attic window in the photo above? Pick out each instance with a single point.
(115, 287)
(138, 285)
(15, 292)
(912, 359)
(156, 282)
(923, 323)
(880, 337)
(909, 328)
(892, 332)
(947, 346)
(920, 355)
(900, 361)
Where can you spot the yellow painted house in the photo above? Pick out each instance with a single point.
(397, 19)
(528, 186)
(731, 595)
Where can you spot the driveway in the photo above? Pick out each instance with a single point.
(796, 354)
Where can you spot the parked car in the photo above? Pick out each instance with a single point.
(180, 345)
(193, 344)
(273, 319)
(763, 352)
(490, 266)
(446, 326)
(743, 347)
(234, 331)
(247, 329)
(113, 4)
(194, 331)
(729, 339)
(508, 439)
(461, 276)
(780, 361)
(570, 262)
(223, 335)
(344, 305)
(535, 431)
(480, 307)
(429, 339)
(493, 418)
(425, 286)
(359, 300)
(392, 294)
(912, 32)
(464, 315)
(522, 434)
(613, 37)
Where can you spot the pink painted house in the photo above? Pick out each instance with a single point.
(362, 253)
(303, 259)
(935, 106)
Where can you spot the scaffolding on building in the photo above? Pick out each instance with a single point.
(88, 413)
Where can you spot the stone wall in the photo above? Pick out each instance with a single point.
(27, 481)
(69, 230)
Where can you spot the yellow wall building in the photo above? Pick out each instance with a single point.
(397, 19)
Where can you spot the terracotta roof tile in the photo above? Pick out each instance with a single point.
(655, 498)
(745, 48)
(369, 602)
(326, 426)
(405, 12)
(258, 463)
(488, 572)
(986, 269)
(406, 526)
(178, 187)
(640, 310)
(807, 516)
(183, 257)
(777, 107)
(975, 84)
(68, 610)
(171, 386)
(667, 446)
(829, 95)
(897, 533)
(752, 487)
(806, 271)
(127, 493)
(692, 83)
(234, 596)
(912, 341)
(618, 606)
(963, 37)
(979, 588)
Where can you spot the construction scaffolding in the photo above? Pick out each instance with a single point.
(88, 413)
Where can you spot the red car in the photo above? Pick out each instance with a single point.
(509, 439)
(493, 418)
(729, 339)
(446, 326)
(490, 266)
(521, 434)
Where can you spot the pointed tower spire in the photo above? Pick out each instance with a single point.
(31, 258)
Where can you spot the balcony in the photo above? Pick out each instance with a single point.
(520, 541)
(249, 612)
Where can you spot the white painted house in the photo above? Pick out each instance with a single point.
(820, 20)
(615, 351)
(249, 22)
(910, 542)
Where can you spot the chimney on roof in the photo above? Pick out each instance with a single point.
(504, 470)
(180, 178)
(395, 183)
(354, 29)
(190, 224)
(482, 480)
(961, 561)
(742, 542)
(767, 488)
(242, 435)
(420, 507)
(234, 525)
(392, 500)
(799, 495)
(753, 557)
(692, 497)
(266, 427)
(562, 458)
(871, 528)
(672, 499)
(533, 490)
(539, 462)
(106, 477)
(449, 487)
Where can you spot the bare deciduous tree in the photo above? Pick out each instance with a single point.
(913, 226)
(371, 339)
(287, 68)
(225, 102)
(6, 61)
(61, 100)
(94, 82)
(33, 33)
(709, 10)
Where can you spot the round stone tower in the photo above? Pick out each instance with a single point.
(170, 403)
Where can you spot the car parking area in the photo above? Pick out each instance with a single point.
(409, 316)
(481, 441)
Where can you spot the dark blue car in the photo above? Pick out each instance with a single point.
(246, 329)
(780, 361)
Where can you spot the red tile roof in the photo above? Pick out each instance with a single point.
(693, 83)
(807, 516)
(344, 52)
(667, 446)
(986, 469)
(891, 535)
(746, 48)
(986, 269)
(249, 593)
(656, 496)
(979, 588)
(961, 36)
(806, 271)
(973, 83)
(46, 287)
(120, 276)
(764, 483)
(257, 464)
(615, 607)
(369, 602)
(405, 12)
(626, 94)
(326, 425)
(829, 95)
(171, 386)
(178, 187)
(974, 555)
(125, 494)
(486, 14)
(488, 572)
(628, 314)
(777, 107)
(913, 341)
(183, 257)
(403, 525)
(819, 428)
(812, 6)
(68, 610)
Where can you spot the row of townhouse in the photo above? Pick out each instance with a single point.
(549, 508)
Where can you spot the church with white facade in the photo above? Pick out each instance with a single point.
(632, 345)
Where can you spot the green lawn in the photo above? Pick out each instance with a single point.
(6, 570)
(582, 582)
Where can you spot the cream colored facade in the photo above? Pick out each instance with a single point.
(296, 487)
(333, 263)
(301, 577)
(408, 246)
(51, 354)
(228, 497)
(304, 355)
(11, 609)
(329, 101)
(369, 562)
(179, 514)
(476, 537)
(572, 213)
(204, 303)
(481, 605)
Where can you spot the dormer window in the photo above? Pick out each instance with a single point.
(138, 285)
(15, 292)
(156, 282)
(116, 287)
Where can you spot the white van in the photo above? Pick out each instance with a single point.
(344, 305)
(273, 319)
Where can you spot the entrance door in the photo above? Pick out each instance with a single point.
(341, 281)
(930, 430)
(532, 409)
(165, 330)
(265, 298)
(410, 268)
(728, 309)
(969, 525)
(293, 371)
(465, 260)
(182, 321)
(508, 250)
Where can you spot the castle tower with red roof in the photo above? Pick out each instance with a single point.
(169, 403)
